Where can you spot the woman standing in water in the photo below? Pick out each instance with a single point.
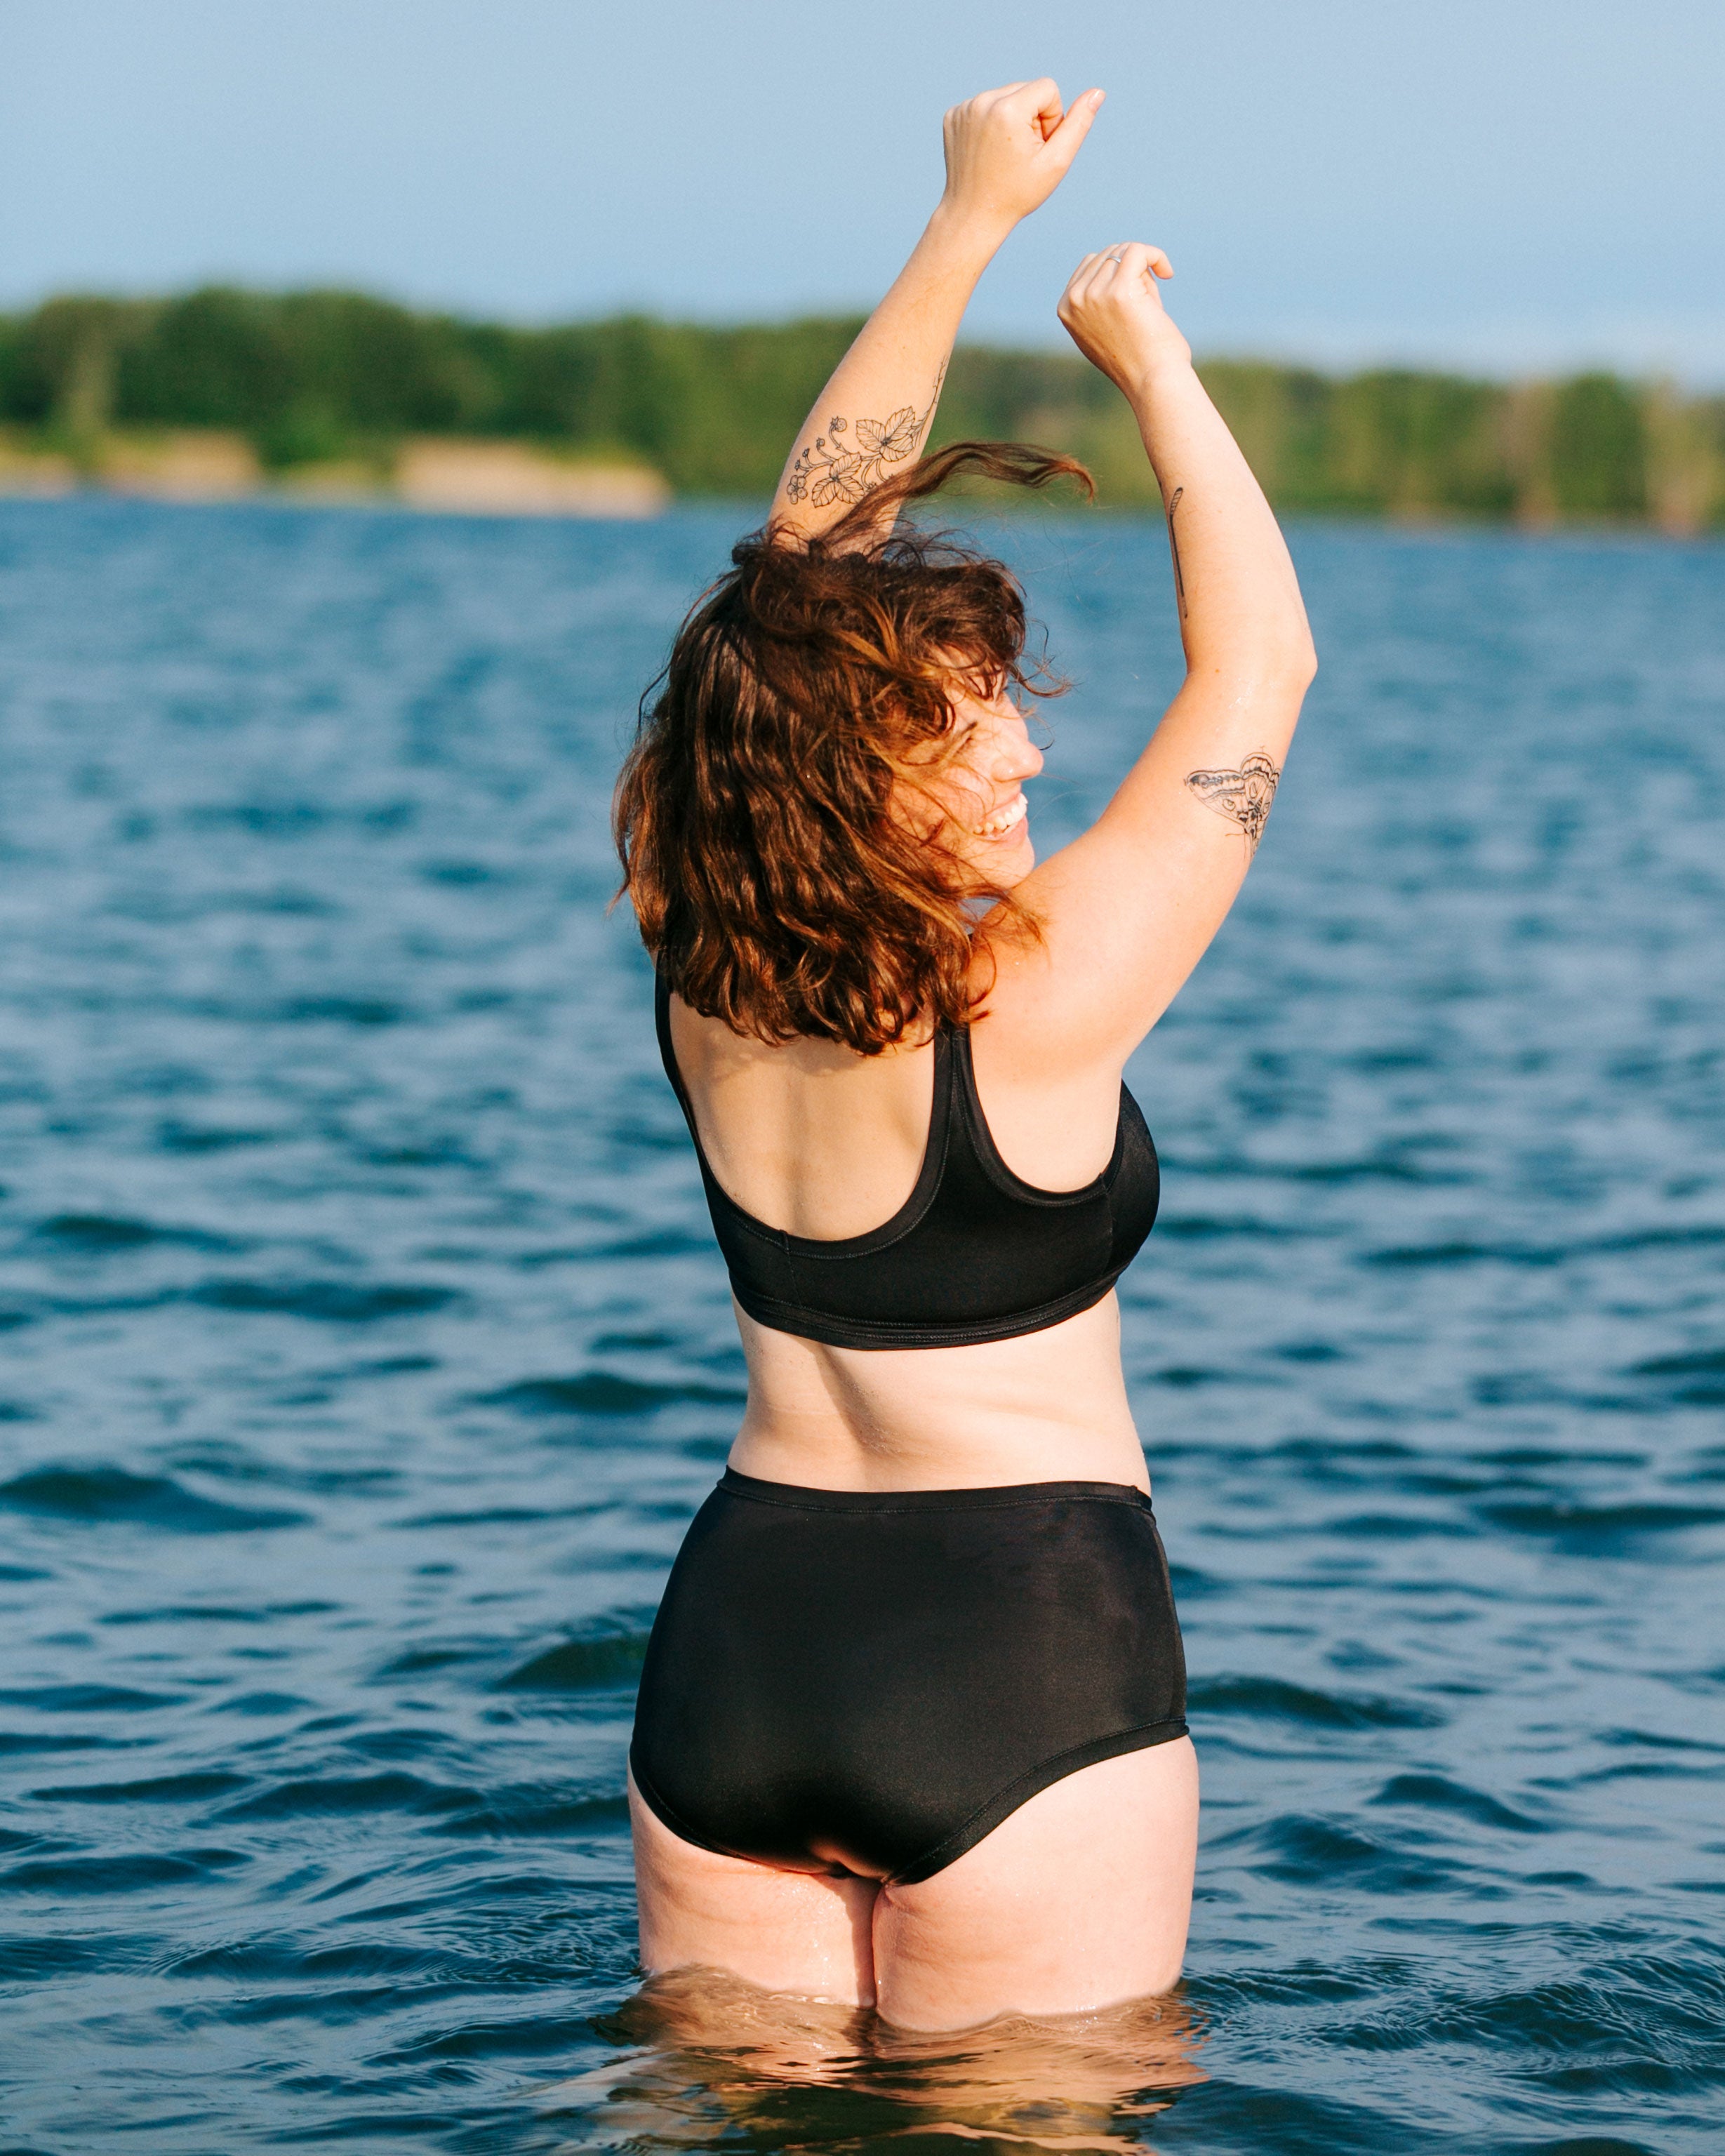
(912, 1727)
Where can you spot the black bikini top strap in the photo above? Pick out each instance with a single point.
(667, 1052)
(965, 1098)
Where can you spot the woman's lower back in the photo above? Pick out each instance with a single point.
(1045, 1407)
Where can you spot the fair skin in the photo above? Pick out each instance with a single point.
(1082, 1897)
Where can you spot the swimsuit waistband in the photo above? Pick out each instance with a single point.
(990, 1497)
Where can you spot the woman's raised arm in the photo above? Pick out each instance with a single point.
(1127, 910)
(1007, 152)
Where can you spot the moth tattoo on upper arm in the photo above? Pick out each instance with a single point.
(829, 470)
(1243, 796)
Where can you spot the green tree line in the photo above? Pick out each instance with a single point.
(315, 377)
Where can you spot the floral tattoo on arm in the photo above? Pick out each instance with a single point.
(832, 469)
(1243, 796)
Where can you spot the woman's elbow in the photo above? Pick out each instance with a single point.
(1292, 657)
(1282, 666)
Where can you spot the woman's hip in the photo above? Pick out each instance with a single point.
(891, 1673)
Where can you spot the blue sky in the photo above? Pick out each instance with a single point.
(1499, 184)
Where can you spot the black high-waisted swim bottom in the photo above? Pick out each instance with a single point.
(884, 1676)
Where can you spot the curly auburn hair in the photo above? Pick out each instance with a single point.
(770, 876)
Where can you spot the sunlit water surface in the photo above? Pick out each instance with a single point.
(367, 1353)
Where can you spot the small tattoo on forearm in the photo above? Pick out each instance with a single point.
(1243, 796)
(832, 470)
(1173, 543)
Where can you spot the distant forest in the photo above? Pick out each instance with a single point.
(316, 377)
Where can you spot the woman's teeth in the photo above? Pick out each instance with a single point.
(1005, 820)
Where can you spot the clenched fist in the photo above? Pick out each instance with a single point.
(1113, 312)
(1009, 149)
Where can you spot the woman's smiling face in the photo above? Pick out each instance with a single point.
(979, 808)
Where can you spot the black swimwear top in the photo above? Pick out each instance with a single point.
(974, 1253)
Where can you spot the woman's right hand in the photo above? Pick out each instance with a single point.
(1113, 313)
(1009, 149)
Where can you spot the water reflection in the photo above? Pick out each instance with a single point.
(712, 2062)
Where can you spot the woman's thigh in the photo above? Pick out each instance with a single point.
(1079, 1898)
(805, 1931)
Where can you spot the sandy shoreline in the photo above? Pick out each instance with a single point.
(438, 475)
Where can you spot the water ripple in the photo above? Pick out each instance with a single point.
(157, 1501)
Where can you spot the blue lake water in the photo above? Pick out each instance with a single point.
(365, 1353)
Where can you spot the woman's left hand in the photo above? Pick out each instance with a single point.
(1009, 149)
(1112, 311)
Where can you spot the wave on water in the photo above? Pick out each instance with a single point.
(604, 1393)
(90, 1495)
(583, 1664)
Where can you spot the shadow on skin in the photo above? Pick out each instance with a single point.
(712, 2057)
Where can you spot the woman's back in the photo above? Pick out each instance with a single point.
(808, 1136)
(818, 1145)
